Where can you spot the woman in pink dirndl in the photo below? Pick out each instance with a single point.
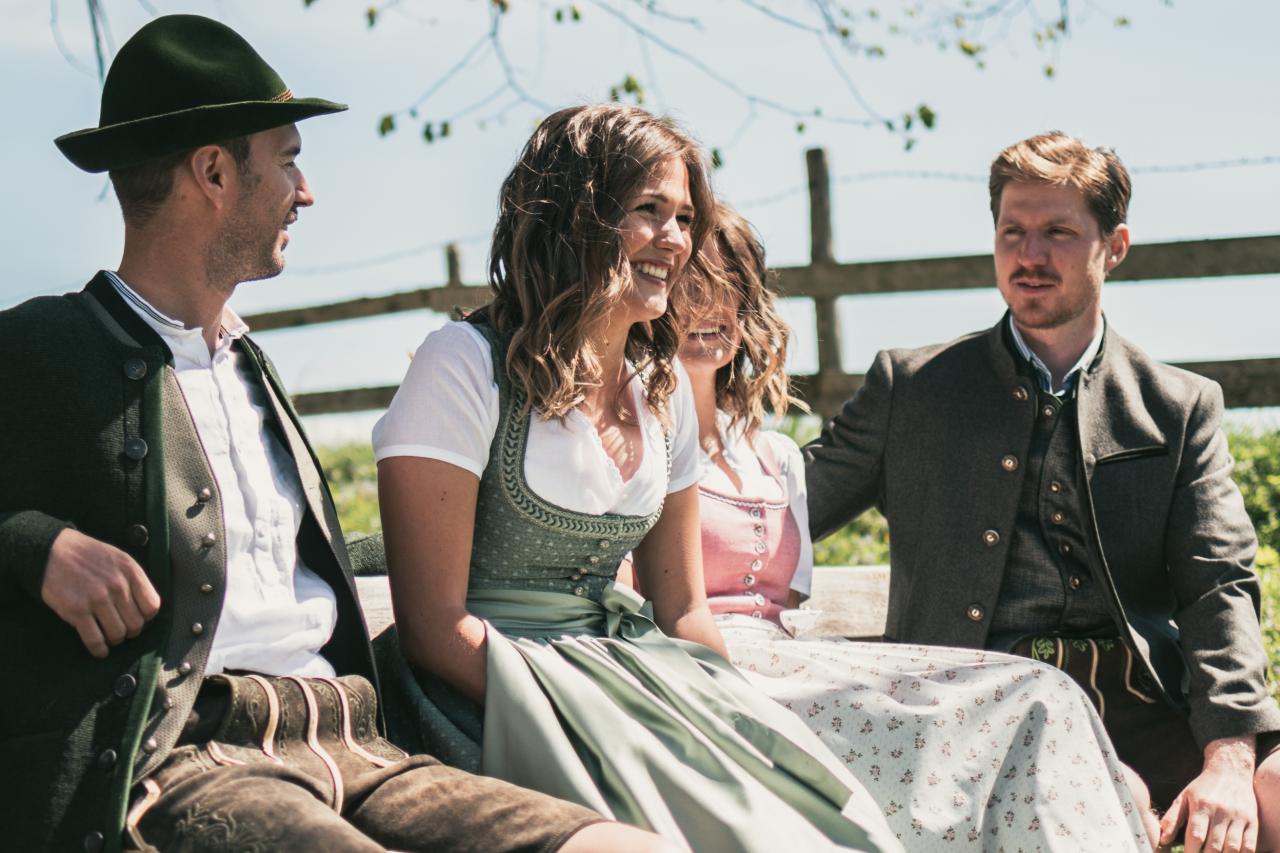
(961, 749)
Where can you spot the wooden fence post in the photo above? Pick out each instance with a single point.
(452, 266)
(824, 306)
(815, 160)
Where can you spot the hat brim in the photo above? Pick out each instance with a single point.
(131, 143)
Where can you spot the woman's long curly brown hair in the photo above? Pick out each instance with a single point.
(557, 265)
(756, 377)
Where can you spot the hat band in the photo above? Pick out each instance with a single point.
(286, 95)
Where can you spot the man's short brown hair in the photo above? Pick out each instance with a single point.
(1062, 160)
(143, 188)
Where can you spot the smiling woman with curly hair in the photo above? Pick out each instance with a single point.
(530, 447)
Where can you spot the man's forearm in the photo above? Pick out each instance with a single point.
(1232, 754)
(26, 536)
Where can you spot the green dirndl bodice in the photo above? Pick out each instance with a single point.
(588, 700)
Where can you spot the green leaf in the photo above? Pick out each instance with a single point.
(630, 86)
(910, 143)
(428, 133)
(444, 129)
(559, 16)
(1122, 21)
(799, 127)
(501, 5)
(386, 124)
(969, 48)
(372, 15)
(1049, 71)
(927, 116)
(306, 4)
(875, 51)
(575, 13)
(717, 159)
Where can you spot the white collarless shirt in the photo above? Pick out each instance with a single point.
(447, 409)
(277, 613)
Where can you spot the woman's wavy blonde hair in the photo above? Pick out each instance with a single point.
(557, 265)
(756, 378)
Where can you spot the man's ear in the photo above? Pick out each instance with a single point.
(1117, 246)
(210, 167)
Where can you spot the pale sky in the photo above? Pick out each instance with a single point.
(1191, 83)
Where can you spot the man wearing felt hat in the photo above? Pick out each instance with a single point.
(185, 665)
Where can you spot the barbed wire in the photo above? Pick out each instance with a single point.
(389, 257)
(1268, 160)
(783, 195)
(973, 177)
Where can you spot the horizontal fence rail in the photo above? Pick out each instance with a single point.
(1247, 382)
(1233, 256)
(1250, 382)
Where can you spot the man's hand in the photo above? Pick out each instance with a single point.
(1218, 807)
(98, 589)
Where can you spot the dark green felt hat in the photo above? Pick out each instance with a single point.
(183, 81)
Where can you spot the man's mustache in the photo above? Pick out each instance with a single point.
(1041, 274)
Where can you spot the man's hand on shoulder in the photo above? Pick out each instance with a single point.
(98, 589)
(1218, 807)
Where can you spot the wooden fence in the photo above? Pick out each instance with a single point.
(1248, 382)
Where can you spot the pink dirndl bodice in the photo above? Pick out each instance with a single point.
(750, 548)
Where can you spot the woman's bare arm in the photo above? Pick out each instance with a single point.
(428, 518)
(668, 566)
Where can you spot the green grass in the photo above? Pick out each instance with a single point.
(353, 480)
(352, 476)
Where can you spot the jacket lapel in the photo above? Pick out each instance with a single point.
(1113, 422)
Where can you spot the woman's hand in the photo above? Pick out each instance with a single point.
(428, 519)
(668, 566)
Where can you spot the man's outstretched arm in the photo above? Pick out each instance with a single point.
(844, 465)
(1210, 545)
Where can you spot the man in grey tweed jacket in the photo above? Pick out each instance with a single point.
(1053, 491)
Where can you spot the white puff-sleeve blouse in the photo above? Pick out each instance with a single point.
(447, 409)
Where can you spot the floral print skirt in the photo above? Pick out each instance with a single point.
(962, 750)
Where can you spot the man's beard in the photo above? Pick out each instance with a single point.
(1037, 316)
(246, 249)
